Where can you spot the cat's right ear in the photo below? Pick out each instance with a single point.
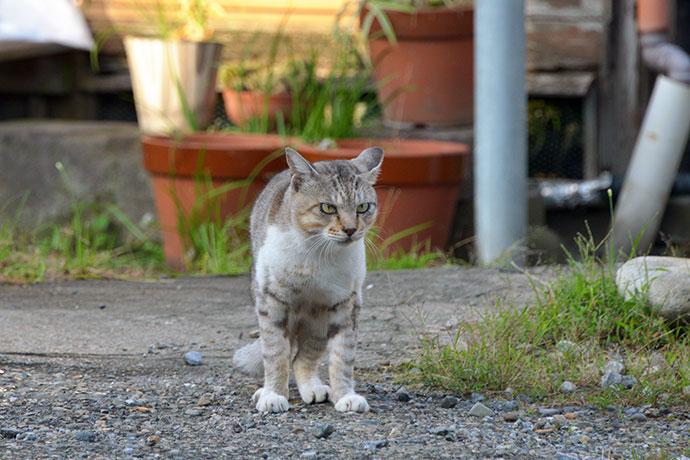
(300, 167)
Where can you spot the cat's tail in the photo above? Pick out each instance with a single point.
(249, 359)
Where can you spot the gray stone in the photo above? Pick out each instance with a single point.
(567, 387)
(85, 436)
(308, 454)
(480, 410)
(193, 412)
(441, 431)
(449, 402)
(628, 381)
(566, 346)
(9, 433)
(548, 411)
(510, 406)
(667, 283)
(610, 379)
(511, 416)
(639, 417)
(476, 397)
(562, 456)
(614, 366)
(193, 358)
(373, 445)
(323, 431)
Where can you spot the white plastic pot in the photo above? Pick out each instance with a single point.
(171, 81)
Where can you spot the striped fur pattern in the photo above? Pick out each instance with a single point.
(308, 227)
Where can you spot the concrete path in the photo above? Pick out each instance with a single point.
(214, 315)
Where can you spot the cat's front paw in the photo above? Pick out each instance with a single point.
(315, 394)
(352, 403)
(270, 401)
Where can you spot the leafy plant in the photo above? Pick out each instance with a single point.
(566, 334)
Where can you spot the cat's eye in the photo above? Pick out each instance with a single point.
(362, 208)
(327, 208)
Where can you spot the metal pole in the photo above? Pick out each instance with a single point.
(500, 156)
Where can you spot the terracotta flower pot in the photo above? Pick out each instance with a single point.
(175, 167)
(243, 106)
(419, 182)
(427, 77)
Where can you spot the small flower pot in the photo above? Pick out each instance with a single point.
(164, 72)
(243, 106)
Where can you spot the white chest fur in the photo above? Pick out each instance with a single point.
(324, 274)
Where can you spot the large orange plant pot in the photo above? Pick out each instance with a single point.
(418, 186)
(426, 78)
(181, 168)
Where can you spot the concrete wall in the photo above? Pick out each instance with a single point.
(102, 159)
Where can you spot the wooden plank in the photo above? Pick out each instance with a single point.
(559, 84)
(558, 45)
(569, 10)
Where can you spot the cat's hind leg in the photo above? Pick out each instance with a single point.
(311, 345)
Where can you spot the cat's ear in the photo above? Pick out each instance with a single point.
(368, 163)
(299, 166)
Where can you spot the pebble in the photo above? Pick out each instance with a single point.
(86, 436)
(373, 445)
(548, 412)
(203, 401)
(402, 395)
(510, 406)
(566, 346)
(638, 417)
(9, 433)
(567, 387)
(193, 358)
(614, 366)
(480, 410)
(511, 416)
(476, 397)
(193, 412)
(610, 379)
(449, 402)
(440, 431)
(102, 306)
(562, 456)
(628, 381)
(323, 431)
(308, 454)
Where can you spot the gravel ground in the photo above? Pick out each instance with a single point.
(125, 390)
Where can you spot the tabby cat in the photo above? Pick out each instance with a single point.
(307, 229)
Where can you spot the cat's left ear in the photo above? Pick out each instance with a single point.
(299, 166)
(368, 163)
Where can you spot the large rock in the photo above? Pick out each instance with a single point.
(667, 280)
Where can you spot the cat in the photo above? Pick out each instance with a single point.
(307, 231)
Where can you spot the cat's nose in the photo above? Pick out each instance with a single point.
(350, 231)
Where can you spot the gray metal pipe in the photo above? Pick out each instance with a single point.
(500, 156)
